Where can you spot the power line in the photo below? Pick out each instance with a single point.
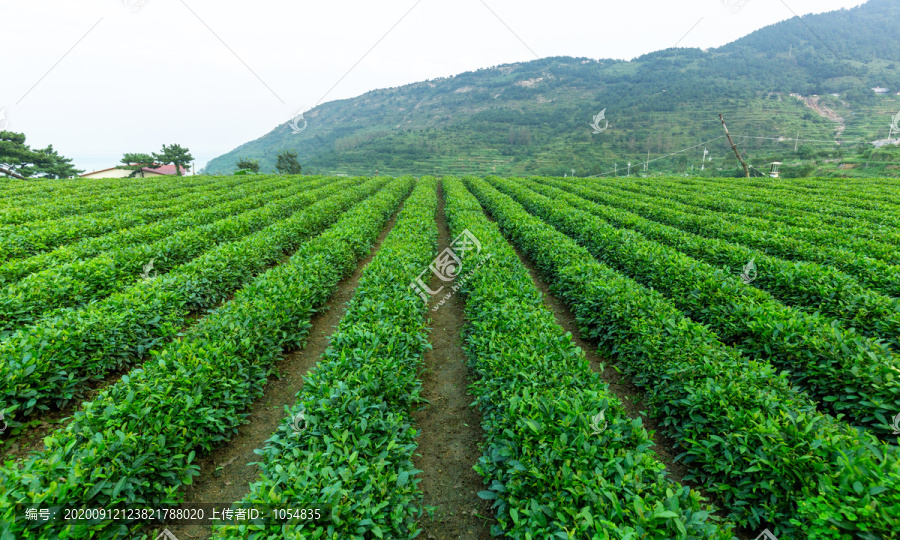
(782, 139)
(649, 161)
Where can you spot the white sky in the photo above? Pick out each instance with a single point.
(151, 72)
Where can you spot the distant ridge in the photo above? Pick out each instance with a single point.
(534, 117)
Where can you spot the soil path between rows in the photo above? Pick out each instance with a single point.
(633, 398)
(450, 428)
(41, 424)
(30, 437)
(226, 473)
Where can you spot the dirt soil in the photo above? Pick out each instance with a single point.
(633, 398)
(41, 424)
(30, 437)
(450, 428)
(813, 103)
(225, 474)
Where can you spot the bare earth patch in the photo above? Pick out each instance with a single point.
(450, 428)
(632, 397)
(225, 474)
(31, 436)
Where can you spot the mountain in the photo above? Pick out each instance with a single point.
(533, 117)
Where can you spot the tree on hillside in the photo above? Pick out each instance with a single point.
(18, 160)
(287, 162)
(247, 163)
(136, 163)
(806, 152)
(176, 155)
(58, 166)
(16, 157)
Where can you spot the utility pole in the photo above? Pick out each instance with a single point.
(647, 163)
(703, 165)
(790, 52)
(629, 169)
(796, 141)
(734, 147)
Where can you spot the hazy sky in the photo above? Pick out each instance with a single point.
(97, 78)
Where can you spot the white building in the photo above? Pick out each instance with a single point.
(114, 172)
